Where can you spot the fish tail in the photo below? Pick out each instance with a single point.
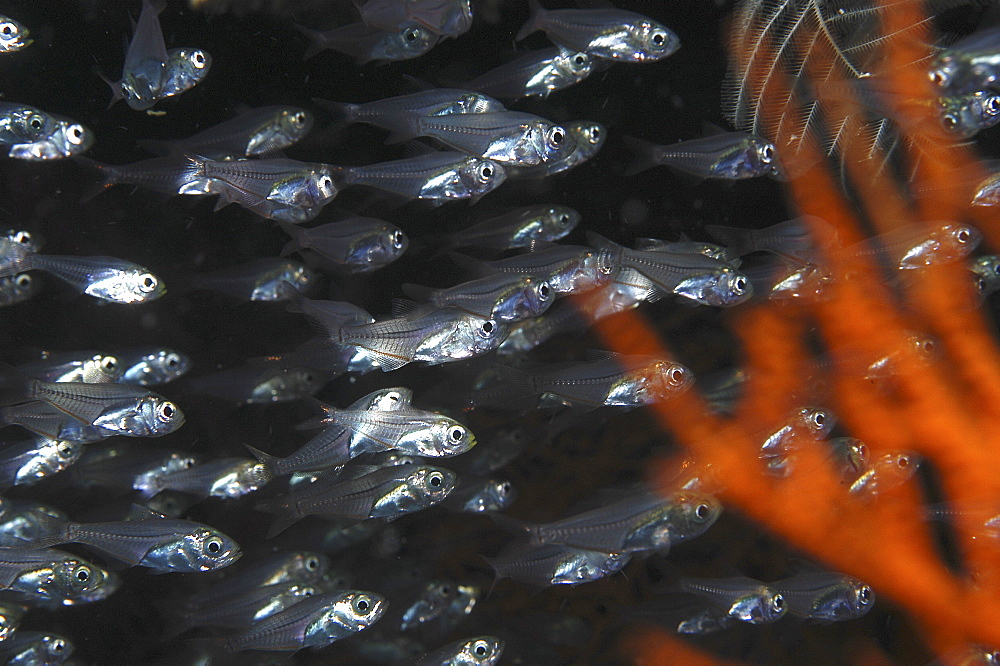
(511, 386)
(512, 525)
(14, 385)
(734, 238)
(116, 88)
(317, 41)
(342, 112)
(643, 155)
(52, 531)
(265, 459)
(534, 22)
(285, 514)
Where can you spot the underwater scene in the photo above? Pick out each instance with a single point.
(499, 332)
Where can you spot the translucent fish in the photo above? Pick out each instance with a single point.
(183, 69)
(885, 473)
(314, 622)
(478, 495)
(518, 228)
(18, 288)
(107, 278)
(742, 598)
(223, 477)
(296, 567)
(27, 463)
(36, 647)
(48, 575)
(85, 366)
(13, 35)
(437, 177)
(550, 564)
(484, 650)
(537, 73)
(501, 297)
(824, 596)
(354, 245)
(588, 137)
(366, 43)
(448, 18)
(969, 65)
(614, 34)
(566, 268)
(393, 113)
(243, 609)
(150, 366)
(729, 155)
(145, 62)
(261, 279)
(34, 135)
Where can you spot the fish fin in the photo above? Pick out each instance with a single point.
(511, 386)
(418, 292)
(285, 514)
(601, 243)
(402, 308)
(387, 362)
(643, 155)
(734, 238)
(116, 88)
(413, 84)
(317, 41)
(13, 384)
(265, 459)
(711, 129)
(534, 22)
(51, 530)
(342, 112)
(512, 525)
(470, 265)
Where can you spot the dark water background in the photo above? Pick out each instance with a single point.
(258, 61)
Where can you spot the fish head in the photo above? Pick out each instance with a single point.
(588, 135)
(79, 581)
(649, 41)
(691, 514)
(965, 115)
(158, 367)
(295, 123)
(557, 222)
(321, 187)
(54, 139)
(353, 611)
(306, 566)
(947, 69)
(13, 35)
(154, 417)
(723, 288)
(443, 437)
(759, 606)
(432, 484)
(390, 245)
(53, 649)
(184, 69)
(207, 549)
(479, 651)
(661, 380)
(411, 41)
(574, 65)
(861, 597)
(481, 176)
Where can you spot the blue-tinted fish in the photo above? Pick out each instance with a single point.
(86, 366)
(393, 113)
(437, 177)
(729, 155)
(47, 575)
(314, 622)
(615, 34)
(120, 466)
(502, 297)
(13, 35)
(366, 43)
(537, 73)
(255, 133)
(150, 366)
(354, 245)
(36, 647)
(34, 135)
(27, 463)
(221, 477)
(552, 564)
(481, 650)
(107, 278)
(261, 279)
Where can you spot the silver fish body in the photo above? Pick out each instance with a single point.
(393, 113)
(366, 43)
(827, 597)
(257, 280)
(437, 177)
(552, 564)
(566, 268)
(145, 63)
(13, 35)
(730, 156)
(742, 598)
(183, 69)
(537, 73)
(85, 367)
(36, 647)
(225, 478)
(501, 297)
(448, 18)
(478, 651)
(355, 245)
(24, 464)
(150, 366)
(53, 576)
(34, 135)
(518, 228)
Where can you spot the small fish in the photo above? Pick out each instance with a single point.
(145, 63)
(365, 43)
(827, 597)
(13, 35)
(798, 239)
(537, 73)
(18, 288)
(258, 280)
(694, 276)
(478, 651)
(297, 567)
(48, 575)
(262, 380)
(393, 113)
(448, 18)
(551, 564)
(615, 34)
(115, 408)
(518, 228)
(385, 492)
(478, 495)
(223, 477)
(964, 116)
(27, 463)
(969, 65)
(354, 245)
(433, 599)
(742, 598)
(107, 278)
(918, 245)
(245, 608)
(258, 132)
(120, 467)
(729, 155)
(437, 176)
(501, 297)
(276, 189)
(151, 366)
(568, 269)
(588, 137)
(86, 367)
(159, 174)
(885, 473)
(184, 69)
(35, 135)
(314, 622)
(36, 647)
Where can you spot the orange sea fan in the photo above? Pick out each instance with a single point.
(944, 408)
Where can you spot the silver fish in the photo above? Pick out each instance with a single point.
(247, 607)
(300, 567)
(438, 177)
(588, 137)
(87, 367)
(551, 564)
(36, 647)
(969, 65)
(152, 541)
(478, 651)
(13, 35)
(256, 280)
(885, 473)
(964, 116)
(478, 495)
(18, 288)
(35, 135)
(742, 598)
(567, 268)
(827, 597)
(183, 69)
(255, 133)
(537, 73)
(314, 622)
(614, 34)
(144, 70)
(354, 245)
(277, 189)
(50, 575)
(501, 297)
(392, 112)
(729, 155)
(224, 477)
(366, 43)
(448, 18)
(150, 366)
(107, 278)
(262, 380)
(25, 464)
(518, 228)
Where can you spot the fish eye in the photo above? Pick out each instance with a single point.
(595, 134)
(564, 220)
(819, 419)
(7, 29)
(658, 38)
(778, 603)
(435, 479)
(992, 106)
(963, 236)
(65, 450)
(488, 328)
(148, 282)
(23, 280)
(58, 645)
(312, 564)
(767, 154)
(398, 239)
(36, 122)
(213, 546)
(863, 450)
(411, 35)
(481, 649)
(22, 237)
(702, 512)
(949, 121)
(928, 345)
(580, 60)
(109, 364)
(166, 411)
(865, 595)
(903, 462)
(199, 59)
(187, 463)
(75, 134)
(456, 433)
(299, 118)
(675, 376)
(543, 291)
(82, 573)
(740, 284)
(362, 604)
(485, 172)
(172, 361)
(505, 488)
(556, 136)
